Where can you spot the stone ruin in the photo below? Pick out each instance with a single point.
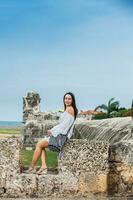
(35, 122)
(97, 161)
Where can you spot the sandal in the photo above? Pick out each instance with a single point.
(31, 170)
(42, 171)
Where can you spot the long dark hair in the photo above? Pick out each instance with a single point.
(132, 109)
(73, 103)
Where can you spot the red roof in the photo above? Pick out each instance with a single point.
(89, 112)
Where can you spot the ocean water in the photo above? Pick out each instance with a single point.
(10, 123)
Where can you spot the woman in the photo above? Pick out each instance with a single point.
(65, 121)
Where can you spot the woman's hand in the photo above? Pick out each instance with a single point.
(48, 132)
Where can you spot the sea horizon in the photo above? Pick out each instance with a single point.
(10, 123)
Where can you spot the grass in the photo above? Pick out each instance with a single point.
(9, 131)
(51, 158)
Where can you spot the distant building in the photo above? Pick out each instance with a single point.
(89, 113)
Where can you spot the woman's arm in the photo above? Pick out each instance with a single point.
(64, 125)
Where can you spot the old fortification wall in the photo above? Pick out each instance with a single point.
(82, 161)
(98, 160)
(86, 168)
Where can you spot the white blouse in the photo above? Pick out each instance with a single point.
(65, 121)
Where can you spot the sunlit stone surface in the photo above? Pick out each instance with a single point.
(97, 162)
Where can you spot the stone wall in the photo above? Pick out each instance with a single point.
(97, 160)
(86, 168)
(118, 133)
(88, 161)
(10, 162)
(35, 122)
(110, 130)
(81, 162)
(120, 178)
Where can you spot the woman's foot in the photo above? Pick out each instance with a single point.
(42, 171)
(31, 170)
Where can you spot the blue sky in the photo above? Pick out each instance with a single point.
(56, 46)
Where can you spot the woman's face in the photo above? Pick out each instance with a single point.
(68, 100)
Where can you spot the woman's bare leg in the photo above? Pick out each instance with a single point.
(43, 158)
(38, 151)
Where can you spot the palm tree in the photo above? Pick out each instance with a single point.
(110, 107)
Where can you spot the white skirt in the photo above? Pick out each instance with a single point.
(46, 138)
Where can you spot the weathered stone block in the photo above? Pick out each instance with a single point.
(21, 185)
(10, 161)
(92, 183)
(83, 155)
(57, 185)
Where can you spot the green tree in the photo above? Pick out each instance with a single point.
(110, 108)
